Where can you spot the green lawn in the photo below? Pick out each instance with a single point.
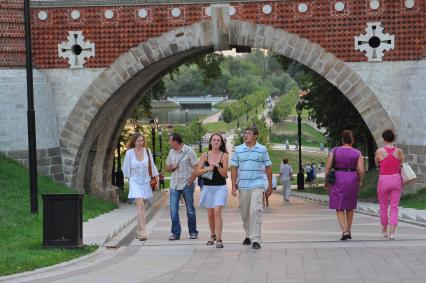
(21, 233)
(277, 156)
(221, 126)
(288, 131)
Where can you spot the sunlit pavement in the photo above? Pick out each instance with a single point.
(300, 244)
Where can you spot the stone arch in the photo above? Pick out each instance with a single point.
(92, 128)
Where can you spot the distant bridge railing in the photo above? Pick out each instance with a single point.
(208, 99)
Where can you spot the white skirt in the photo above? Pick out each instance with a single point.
(213, 196)
(137, 190)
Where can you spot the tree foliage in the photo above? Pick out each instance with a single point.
(330, 108)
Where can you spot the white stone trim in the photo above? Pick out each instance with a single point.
(176, 12)
(66, 49)
(302, 7)
(143, 13)
(374, 34)
(374, 4)
(339, 6)
(75, 15)
(267, 9)
(42, 15)
(109, 14)
(409, 4)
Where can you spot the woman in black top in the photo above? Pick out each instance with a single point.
(215, 191)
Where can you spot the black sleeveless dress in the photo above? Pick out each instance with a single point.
(215, 191)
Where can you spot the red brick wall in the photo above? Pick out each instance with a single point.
(12, 45)
(333, 30)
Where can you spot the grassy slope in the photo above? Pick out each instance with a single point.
(277, 156)
(21, 233)
(288, 130)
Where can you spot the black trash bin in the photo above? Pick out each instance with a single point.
(62, 220)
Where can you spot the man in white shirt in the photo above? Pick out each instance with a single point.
(286, 173)
(182, 161)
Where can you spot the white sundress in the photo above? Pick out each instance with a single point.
(137, 172)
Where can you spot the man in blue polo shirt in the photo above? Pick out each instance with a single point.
(248, 162)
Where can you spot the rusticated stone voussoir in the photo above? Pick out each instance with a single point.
(156, 53)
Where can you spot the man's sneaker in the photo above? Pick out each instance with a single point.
(256, 245)
(246, 242)
(193, 236)
(174, 237)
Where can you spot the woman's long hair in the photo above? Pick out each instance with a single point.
(132, 142)
(222, 143)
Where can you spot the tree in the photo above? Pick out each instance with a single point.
(331, 109)
(227, 115)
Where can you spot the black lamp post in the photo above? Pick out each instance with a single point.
(238, 116)
(32, 147)
(300, 175)
(152, 124)
(247, 109)
(240, 132)
(160, 139)
(186, 116)
(199, 122)
(119, 176)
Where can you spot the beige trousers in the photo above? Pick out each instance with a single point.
(251, 211)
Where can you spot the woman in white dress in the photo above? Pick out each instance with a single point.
(136, 168)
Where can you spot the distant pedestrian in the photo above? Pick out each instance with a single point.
(215, 191)
(182, 162)
(286, 175)
(161, 178)
(389, 187)
(247, 163)
(349, 166)
(308, 170)
(136, 166)
(287, 146)
(321, 146)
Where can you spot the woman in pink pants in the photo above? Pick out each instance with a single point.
(389, 187)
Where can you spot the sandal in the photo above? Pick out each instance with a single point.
(219, 244)
(141, 238)
(211, 240)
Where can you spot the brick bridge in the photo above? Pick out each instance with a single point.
(95, 59)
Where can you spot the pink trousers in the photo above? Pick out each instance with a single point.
(389, 192)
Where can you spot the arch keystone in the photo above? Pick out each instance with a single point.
(221, 23)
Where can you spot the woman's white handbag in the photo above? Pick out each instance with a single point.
(407, 173)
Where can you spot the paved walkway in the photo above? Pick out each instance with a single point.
(300, 244)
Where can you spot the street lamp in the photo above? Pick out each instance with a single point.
(240, 132)
(300, 175)
(199, 122)
(186, 116)
(152, 124)
(247, 108)
(160, 139)
(238, 116)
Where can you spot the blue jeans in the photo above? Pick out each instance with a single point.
(188, 196)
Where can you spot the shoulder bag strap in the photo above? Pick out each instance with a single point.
(183, 155)
(148, 152)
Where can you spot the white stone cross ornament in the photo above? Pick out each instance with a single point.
(374, 42)
(76, 49)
